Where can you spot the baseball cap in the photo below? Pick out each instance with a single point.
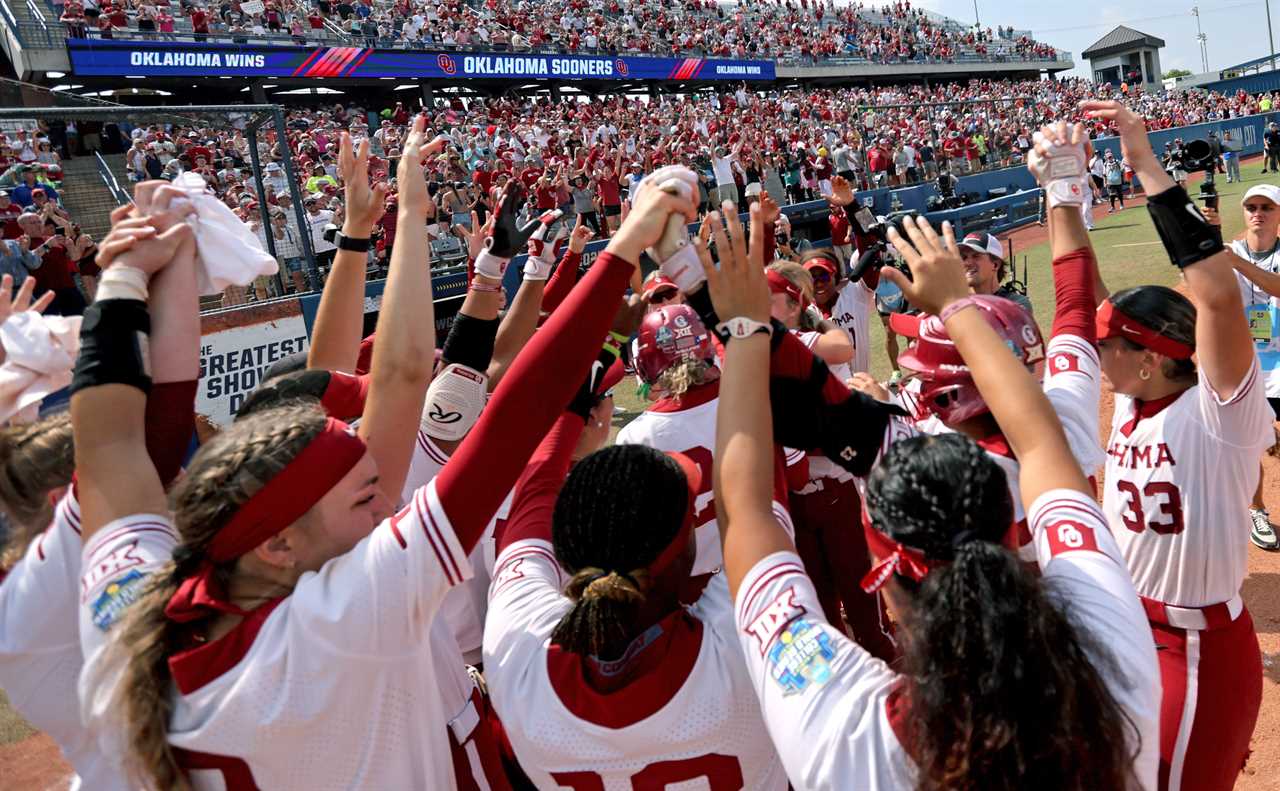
(273, 166)
(4, 193)
(1268, 191)
(984, 243)
(655, 284)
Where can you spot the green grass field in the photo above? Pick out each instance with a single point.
(1129, 254)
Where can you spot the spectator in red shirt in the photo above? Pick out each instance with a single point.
(199, 23)
(55, 270)
(9, 213)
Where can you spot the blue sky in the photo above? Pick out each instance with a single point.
(1236, 29)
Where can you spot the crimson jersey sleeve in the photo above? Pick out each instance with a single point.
(824, 699)
(1086, 576)
(528, 400)
(561, 281)
(1073, 372)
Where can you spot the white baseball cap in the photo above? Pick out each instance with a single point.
(1268, 191)
(984, 243)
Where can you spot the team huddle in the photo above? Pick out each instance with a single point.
(404, 567)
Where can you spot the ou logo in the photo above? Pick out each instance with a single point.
(1069, 535)
(620, 66)
(446, 64)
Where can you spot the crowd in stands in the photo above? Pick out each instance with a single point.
(782, 29)
(583, 157)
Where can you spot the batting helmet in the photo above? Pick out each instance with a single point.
(947, 388)
(669, 335)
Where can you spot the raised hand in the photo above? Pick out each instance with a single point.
(414, 200)
(477, 233)
(581, 234)
(937, 271)
(11, 304)
(738, 288)
(770, 211)
(1134, 143)
(134, 242)
(364, 205)
(865, 383)
(667, 194)
(841, 191)
(162, 204)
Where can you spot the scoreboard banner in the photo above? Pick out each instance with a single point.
(119, 58)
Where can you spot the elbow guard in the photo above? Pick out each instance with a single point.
(470, 342)
(1187, 236)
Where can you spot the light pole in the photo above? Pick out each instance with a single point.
(977, 23)
(1270, 41)
(1202, 38)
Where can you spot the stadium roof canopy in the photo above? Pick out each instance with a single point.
(1122, 39)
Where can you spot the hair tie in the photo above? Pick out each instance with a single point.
(964, 537)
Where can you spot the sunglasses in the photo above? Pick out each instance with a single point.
(820, 275)
(663, 296)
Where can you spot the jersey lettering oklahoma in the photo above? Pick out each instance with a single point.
(1180, 477)
(852, 313)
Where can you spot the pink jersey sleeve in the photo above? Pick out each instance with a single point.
(822, 696)
(114, 570)
(1244, 418)
(384, 593)
(528, 400)
(1086, 575)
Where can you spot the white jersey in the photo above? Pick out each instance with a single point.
(1252, 296)
(852, 313)
(464, 606)
(832, 709)
(334, 686)
(40, 648)
(690, 722)
(1073, 384)
(1178, 485)
(689, 428)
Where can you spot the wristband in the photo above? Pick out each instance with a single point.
(1187, 236)
(485, 288)
(114, 345)
(741, 327)
(345, 242)
(470, 342)
(490, 265)
(123, 282)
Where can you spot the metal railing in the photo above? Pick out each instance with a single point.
(119, 194)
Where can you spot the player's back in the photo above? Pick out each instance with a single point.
(677, 710)
(686, 426)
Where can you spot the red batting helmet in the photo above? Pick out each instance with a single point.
(668, 335)
(947, 388)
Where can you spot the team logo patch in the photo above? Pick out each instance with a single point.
(1062, 363)
(1068, 536)
(801, 655)
(117, 597)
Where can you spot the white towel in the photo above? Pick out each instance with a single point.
(227, 252)
(39, 354)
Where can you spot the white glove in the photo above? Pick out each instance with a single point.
(542, 252)
(1060, 170)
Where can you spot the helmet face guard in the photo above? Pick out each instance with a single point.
(669, 335)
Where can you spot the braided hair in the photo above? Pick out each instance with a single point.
(1004, 690)
(619, 509)
(35, 460)
(222, 477)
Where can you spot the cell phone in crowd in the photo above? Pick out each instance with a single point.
(865, 219)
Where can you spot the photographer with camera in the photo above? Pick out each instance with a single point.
(1257, 269)
(1271, 148)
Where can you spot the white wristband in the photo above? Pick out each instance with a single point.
(490, 265)
(536, 268)
(684, 268)
(123, 282)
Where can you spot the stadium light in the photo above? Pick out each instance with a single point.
(55, 75)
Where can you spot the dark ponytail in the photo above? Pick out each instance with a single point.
(1004, 691)
(1169, 313)
(618, 509)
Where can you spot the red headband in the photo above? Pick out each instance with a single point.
(1115, 323)
(781, 285)
(673, 551)
(894, 559)
(281, 502)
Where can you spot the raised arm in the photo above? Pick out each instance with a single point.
(404, 355)
(566, 274)
(1224, 345)
(744, 457)
(339, 325)
(116, 477)
(1013, 395)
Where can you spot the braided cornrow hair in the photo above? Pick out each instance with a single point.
(222, 476)
(35, 459)
(618, 509)
(1004, 690)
